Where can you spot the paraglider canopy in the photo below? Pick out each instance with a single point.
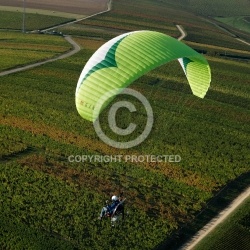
(125, 58)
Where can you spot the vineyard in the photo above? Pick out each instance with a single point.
(49, 202)
(214, 7)
(64, 8)
(239, 22)
(14, 20)
(128, 15)
(18, 49)
(233, 233)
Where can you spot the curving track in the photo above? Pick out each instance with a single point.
(76, 48)
(183, 32)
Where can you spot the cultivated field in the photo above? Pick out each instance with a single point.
(213, 7)
(18, 49)
(233, 233)
(47, 202)
(33, 21)
(130, 15)
(82, 7)
(238, 22)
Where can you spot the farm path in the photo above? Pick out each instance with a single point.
(216, 221)
(75, 49)
(78, 20)
(243, 41)
(183, 32)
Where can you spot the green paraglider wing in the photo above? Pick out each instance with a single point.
(125, 58)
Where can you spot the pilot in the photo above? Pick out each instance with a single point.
(108, 209)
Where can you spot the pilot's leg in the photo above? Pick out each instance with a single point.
(103, 212)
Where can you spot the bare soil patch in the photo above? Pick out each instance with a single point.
(82, 7)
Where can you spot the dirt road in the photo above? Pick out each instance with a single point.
(216, 221)
(75, 49)
(243, 41)
(108, 8)
(183, 32)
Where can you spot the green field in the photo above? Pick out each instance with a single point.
(41, 12)
(40, 129)
(238, 22)
(18, 49)
(33, 21)
(48, 202)
(233, 233)
(213, 7)
(213, 207)
(128, 15)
